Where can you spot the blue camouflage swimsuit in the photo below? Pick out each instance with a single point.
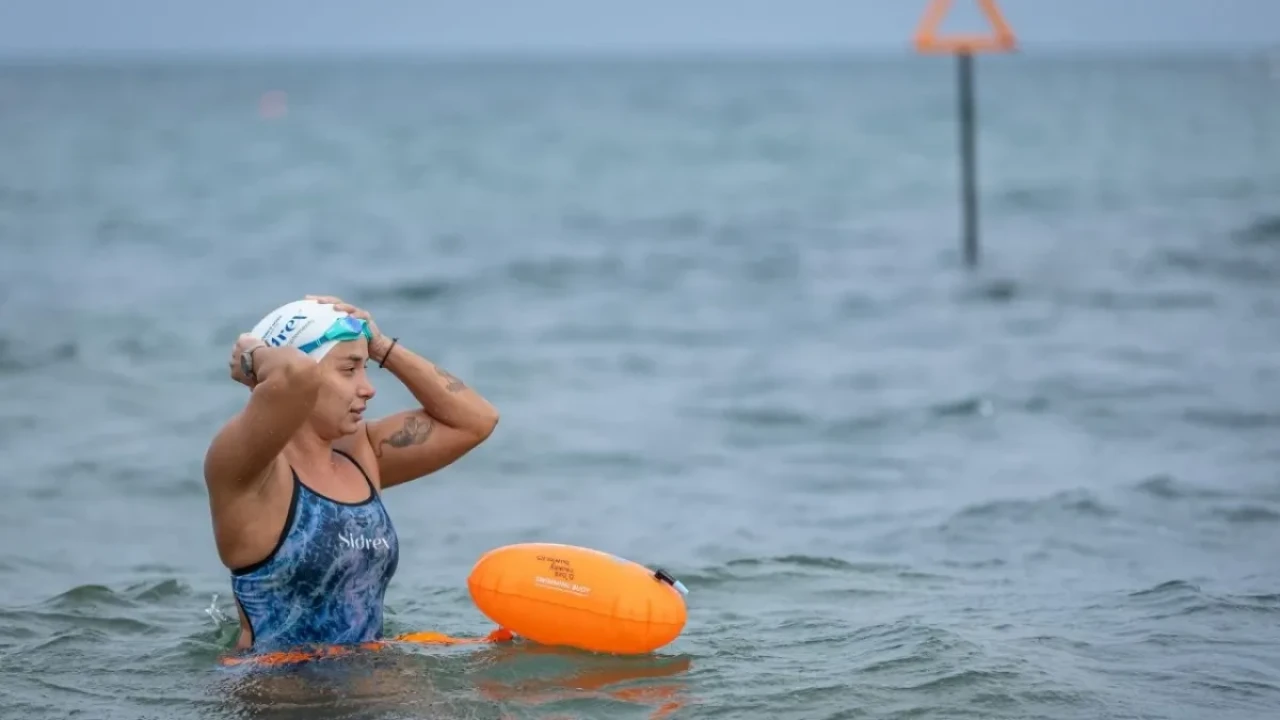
(325, 581)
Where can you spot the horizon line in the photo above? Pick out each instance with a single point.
(535, 54)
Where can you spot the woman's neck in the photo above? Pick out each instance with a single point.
(309, 448)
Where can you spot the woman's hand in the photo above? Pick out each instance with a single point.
(243, 343)
(380, 344)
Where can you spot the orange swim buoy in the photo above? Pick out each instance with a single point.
(564, 595)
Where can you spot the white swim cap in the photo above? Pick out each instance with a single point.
(310, 326)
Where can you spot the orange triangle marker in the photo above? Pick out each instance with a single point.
(927, 39)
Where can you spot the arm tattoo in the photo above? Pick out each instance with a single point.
(455, 385)
(415, 431)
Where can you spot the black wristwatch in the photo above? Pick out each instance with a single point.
(246, 362)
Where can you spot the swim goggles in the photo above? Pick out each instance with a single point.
(343, 329)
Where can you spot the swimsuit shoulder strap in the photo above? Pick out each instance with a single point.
(372, 489)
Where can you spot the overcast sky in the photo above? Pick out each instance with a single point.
(450, 26)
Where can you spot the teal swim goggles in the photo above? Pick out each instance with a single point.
(342, 330)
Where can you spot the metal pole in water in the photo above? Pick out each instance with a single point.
(964, 47)
(968, 159)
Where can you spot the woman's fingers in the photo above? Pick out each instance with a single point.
(338, 304)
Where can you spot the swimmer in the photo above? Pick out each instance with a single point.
(296, 478)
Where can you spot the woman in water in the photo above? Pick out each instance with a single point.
(295, 479)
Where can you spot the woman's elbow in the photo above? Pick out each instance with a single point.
(486, 425)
